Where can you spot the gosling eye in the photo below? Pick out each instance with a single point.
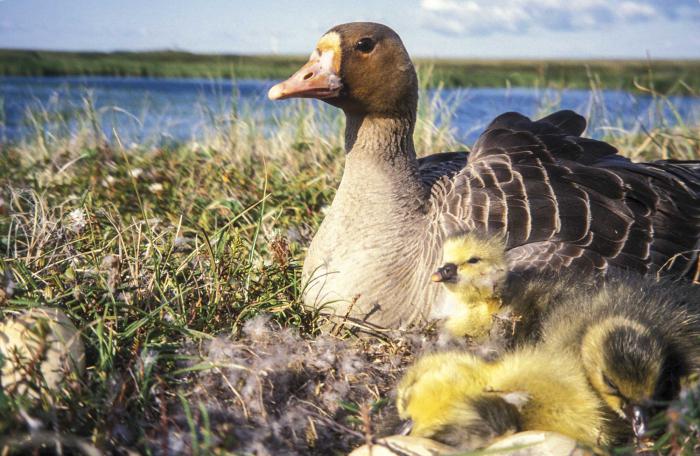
(365, 45)
(609, 383)
(473, 260)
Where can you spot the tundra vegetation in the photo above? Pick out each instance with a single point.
(677, 76)
(180, 265)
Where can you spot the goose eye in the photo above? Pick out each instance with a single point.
(365, 45)
(473, 260)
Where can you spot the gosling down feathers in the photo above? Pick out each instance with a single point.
(604, 364)
(637, 339)
(485, 299)
(564, 201)
(633, 339)
(462, 400)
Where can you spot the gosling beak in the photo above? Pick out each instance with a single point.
(637, 414)
(405, 428)
(316, 79)
(446, 273)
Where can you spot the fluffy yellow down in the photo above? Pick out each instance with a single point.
(472, 300)
(550, 390)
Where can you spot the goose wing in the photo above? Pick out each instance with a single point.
(562, 200)
(436, 166)
(670, 191)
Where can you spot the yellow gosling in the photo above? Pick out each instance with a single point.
(637, 338)
(464, 401)
(473, 269)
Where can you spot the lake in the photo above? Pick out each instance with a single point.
(149, 110)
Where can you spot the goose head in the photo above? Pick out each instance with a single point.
(631, 369)
(360, 67)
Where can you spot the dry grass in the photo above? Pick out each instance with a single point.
(181, 266)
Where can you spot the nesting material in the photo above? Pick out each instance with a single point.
(40, 347)
(270, 391)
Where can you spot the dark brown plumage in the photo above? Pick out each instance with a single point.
(562, 201)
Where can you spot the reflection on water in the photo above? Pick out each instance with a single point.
(157, 110)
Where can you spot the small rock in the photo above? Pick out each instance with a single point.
(400, 445)
(46, 342)
(536, 443)
(528, 443)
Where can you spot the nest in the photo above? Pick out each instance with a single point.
(271, 391)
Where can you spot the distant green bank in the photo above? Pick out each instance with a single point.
(676, 76)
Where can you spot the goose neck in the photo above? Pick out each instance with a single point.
(380, 152)
(387, 138)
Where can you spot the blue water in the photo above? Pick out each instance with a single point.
(156, 110)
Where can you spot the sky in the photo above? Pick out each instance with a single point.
(429, 28)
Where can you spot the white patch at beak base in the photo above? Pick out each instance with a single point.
(326, 63)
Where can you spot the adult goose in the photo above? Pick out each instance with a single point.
(563, 201)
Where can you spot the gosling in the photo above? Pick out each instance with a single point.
(460, 399)
(595, 375)
(631, 338)
(483, 300)
(473, 271)
(637, 340)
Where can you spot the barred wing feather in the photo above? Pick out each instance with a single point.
(563, 201)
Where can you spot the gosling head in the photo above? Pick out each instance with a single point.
(361, 67)
(473, 266)
(631, 368)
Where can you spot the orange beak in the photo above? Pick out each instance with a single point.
(316, 79)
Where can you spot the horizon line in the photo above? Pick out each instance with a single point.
(304, 56)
